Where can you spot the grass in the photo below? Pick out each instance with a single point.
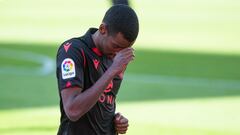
(14, 62)
(212, 116)
(167, 106)
(218, 76)
(175, 63)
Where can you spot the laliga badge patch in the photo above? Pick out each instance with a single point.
(68, 68)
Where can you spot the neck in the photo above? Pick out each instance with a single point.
(95, 38)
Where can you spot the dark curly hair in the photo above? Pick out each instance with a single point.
(122, 18)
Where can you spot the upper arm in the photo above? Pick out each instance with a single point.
(70, 65)
(70, 74)
(68, 96)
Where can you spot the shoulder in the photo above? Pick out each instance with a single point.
(73, 44)
(70, 49)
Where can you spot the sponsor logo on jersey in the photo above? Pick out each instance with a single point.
(68, 68)
(106, 96)
(96, 63)
(66, 46)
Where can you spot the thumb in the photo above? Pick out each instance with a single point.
(118, 116)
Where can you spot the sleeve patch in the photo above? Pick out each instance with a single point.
(68, 68)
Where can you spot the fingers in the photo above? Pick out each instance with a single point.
(122, 131)
(127, 51)
(117, 117)
(122, 59)
(121, 128)
(121, 123)
(128, 55)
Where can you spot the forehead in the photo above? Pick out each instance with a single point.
(119, 39)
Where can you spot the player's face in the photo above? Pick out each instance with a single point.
(114, 44)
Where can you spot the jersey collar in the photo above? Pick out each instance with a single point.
(88, 38)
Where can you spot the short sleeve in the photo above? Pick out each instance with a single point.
(70, 65)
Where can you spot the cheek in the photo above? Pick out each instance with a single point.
(104, 46)
(107, 47)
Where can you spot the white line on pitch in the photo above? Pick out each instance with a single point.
(47, 64)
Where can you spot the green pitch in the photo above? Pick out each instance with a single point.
(184, 81)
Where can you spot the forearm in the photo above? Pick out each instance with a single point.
(77, 103)
(84, 101)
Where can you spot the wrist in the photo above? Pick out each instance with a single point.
(111, 72)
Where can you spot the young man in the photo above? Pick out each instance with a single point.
(89, 72)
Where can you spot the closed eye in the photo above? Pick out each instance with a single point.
(117, 46)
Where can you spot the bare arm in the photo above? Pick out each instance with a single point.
(76, 103)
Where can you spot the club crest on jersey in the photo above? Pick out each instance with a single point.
(68, 68)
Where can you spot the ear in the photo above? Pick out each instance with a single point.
(103, 29)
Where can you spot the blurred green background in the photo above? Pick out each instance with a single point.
(185, 79)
